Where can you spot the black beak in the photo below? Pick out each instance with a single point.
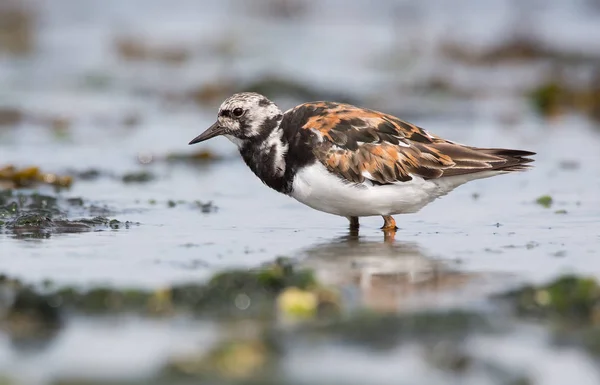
(211, 132)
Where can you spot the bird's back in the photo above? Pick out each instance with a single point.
(367, 146)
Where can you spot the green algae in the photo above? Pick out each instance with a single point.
(236, 359)
(201, 157)
(138, 177)
(38, 214)
(547, 98)
(215, 297)
(439, 334)
(545, 201)
(261, 286)
(30, 221)
(251, 350)
(570, 305)
(558, 96)
(568, 299)
(32, 176)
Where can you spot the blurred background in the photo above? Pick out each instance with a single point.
(127, 256)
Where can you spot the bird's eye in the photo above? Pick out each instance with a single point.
(237, 112)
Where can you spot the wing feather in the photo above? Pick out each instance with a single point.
(360, 144)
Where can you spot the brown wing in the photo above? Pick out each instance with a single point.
(360, 144)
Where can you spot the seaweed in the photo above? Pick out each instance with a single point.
(545, 201)
(31, 177)
(38, 215)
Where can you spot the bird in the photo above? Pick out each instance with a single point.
(351, 161)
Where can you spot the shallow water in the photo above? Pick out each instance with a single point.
(484, 237)
(502, 230)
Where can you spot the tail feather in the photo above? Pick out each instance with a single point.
(492, 159)
(515, 160)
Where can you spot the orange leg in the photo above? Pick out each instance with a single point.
(389, 228)
(389, 223)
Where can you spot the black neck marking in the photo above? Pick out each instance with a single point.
(262, 160)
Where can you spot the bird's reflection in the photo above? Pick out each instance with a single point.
(387, 274)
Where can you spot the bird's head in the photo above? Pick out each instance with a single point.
(243, 117)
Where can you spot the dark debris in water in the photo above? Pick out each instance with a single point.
(195, 158)
(15, 205)
(206, 207)
(93, 174)
(34, 224)
(138, 177)
(17, 29)
(10, 116)
(88, 174)
(37, 214)
(135, 49)
(516, 49)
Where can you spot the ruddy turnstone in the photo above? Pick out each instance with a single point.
(351, 161)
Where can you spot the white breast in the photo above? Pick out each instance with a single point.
(318, 188)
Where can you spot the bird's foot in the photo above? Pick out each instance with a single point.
(389, 223)
(389, 228)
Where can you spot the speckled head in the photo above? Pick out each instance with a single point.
(242, 117)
